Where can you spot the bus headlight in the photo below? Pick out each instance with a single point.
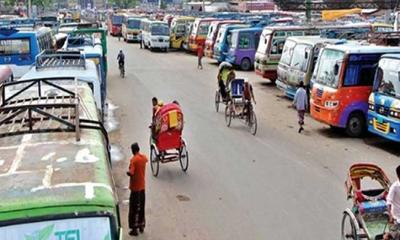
(331, 104)
(371, 106)
(395, 114)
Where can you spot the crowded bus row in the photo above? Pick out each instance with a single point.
(55, 162)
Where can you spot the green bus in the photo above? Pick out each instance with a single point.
(55, 169)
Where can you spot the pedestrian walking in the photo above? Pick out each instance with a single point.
(300, 103)
(137, 170)
(200, 53)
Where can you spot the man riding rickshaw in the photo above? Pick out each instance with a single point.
(225, 75)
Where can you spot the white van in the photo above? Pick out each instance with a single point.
(155, 35)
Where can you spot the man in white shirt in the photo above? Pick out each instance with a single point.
(300, 102)
(393, 204)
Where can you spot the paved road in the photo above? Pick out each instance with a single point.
(276, 185)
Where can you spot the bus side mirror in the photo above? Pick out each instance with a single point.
(336, 69)
(306, 55)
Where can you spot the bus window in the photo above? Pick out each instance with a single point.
(203, 29)
(361, 70)
(277, 46)
(299, 61)
(14, 47)
(287, 52)
(244, 41)
(325, 72)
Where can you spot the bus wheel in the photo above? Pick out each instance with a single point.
(245, 64)
(355, 125)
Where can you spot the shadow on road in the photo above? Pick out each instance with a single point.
(383, 144)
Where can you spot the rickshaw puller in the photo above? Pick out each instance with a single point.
(393, 204)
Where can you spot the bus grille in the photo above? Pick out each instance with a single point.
(382, 127)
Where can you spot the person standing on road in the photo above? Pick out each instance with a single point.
(200, 54)
(300, 103)
(137, 170)
(393, 206)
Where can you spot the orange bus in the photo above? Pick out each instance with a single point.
(199, 33)
(342, 82)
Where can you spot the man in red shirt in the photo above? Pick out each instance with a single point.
(137, 170)
(200, 54)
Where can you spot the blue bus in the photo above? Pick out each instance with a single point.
(222, 41)
(19, 48)
(384, 101)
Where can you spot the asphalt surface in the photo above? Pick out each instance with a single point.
(276, 185)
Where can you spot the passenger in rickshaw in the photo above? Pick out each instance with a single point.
(225, 75)
(156, 107)
(393, 204)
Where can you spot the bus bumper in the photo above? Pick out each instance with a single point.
(383, 126)
(327, 116)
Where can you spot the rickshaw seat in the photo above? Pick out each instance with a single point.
(373, 206)
(366, 195)
(169, 140)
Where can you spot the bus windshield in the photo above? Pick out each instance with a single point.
(325, 71)
(75, 228)
(14, 47)
(388, 77)
(134, 24)
(160, 30)
(221, 35)
(203, 29)
(263, 44)
(117, 20)
(234, 40)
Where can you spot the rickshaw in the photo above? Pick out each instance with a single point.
(218, 97)
(238, 107)
(368, 218)
(166, 142)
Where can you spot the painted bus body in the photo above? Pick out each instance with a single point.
(131, 28)
(298, 60)
(180, 31)
(384, 101)
(155, 35)
(342, 83)
(212, 35)
(199, 33)
(222, 42)
(60, 187)
(19, 48)
(244, 43)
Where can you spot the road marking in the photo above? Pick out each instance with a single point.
(48, 156)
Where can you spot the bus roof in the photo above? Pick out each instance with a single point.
(392, 55)
(287, 28)
(250, 29)
(13, 32)
(44, 171)
(363, 49)
(313, 40)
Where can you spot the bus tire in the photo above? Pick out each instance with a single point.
(245, 64)
(355, 124)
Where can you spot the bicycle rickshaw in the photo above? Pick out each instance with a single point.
(166, 142)
(238, 107)
(218, 96)
(367, 219)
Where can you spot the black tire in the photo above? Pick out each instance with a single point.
(245, 64)
(228, 115)
(252, 122)
(184, 157)
(154, 162)
(217, 100)
(347, 222)
(355, 125)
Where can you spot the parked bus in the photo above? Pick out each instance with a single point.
(384, 101)
(297, 62)
(342, 83)
(114, 24)
(155, 35)
(212, 35)
(244, 43)
(131, 28)
(19, 48)
(223, 40)
(60, 186)
(70, 64)
(199, 32)
(179, 31)
(271, 45)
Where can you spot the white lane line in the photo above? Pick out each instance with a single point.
(48, 156)
(47, 176)
(84, 156)
(19, 154)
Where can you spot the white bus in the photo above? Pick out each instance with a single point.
(155, 34)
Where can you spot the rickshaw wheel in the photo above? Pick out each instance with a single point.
(228, 115)
(154, 162)
(348, 227)
(217, 100)
(184, 157)
(252, 122)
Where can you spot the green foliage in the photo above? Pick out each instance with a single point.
(124, 3)
(10, 3)
(42, 3)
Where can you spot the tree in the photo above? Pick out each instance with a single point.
(123, 3)
(42, 3)
(10, 3)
